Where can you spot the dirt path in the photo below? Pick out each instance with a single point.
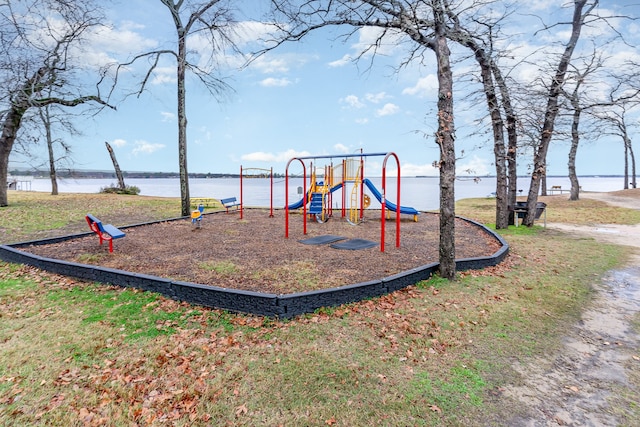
(577, 386)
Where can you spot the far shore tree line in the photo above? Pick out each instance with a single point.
(575, 94)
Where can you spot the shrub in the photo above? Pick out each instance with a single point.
(128, 189)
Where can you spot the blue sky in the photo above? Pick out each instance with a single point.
(309, 98)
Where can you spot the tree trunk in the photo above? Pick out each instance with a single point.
(633, 161)
(626, 165)
(512, 144)
(540, 157)
(182, 125)
(499, 152)
(116, 166)
(446, 141)
(487, 67)
(575, 140)
(10, 126)
(46, 120)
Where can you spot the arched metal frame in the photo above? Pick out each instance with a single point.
(286, 196)
(344, 156)
(241, 190)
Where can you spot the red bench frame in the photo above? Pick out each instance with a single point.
(105, 232)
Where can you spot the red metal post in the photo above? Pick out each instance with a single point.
(271, 204)
(241, 201)
(361, 187)
(344, 188)
(286, 197)
(383, 204)
(384, 167)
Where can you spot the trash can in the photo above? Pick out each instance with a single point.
(521, 208)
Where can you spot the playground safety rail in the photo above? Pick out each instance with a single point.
(265, 304)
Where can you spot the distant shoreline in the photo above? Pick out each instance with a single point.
(87, 174)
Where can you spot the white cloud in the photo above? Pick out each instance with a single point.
(424, 87)
(162, 75)
(249, 32)
(272, 65)
(474, 166)
(352, 101)
(341, 148)
(106, 44)
(118, 142)
(387, 110)
(261, 156)
(167, 116)
(145, 147)
(410, 169)
(346, 59)
(273, 82)
(376, 98)
(370, 36)
(362, 121)
(280, 63)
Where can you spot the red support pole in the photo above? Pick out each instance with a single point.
(398, 209)
(384, 184)
(286, 202)
(241, 201)
(344, 188)
(286, 197)
(271, 203)
(361, 187)
(383, 203)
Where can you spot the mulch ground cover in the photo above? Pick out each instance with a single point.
(253, 254)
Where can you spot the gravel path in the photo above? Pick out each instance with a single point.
(577, 386)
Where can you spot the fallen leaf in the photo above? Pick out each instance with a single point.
(241, 410)
(435, 408)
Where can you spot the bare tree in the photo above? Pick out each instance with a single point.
(45, 117)
(579, 102)
(616, 114)
(479, 35)
(36, 65)
(424, 24)
(616, 122)
(212, 19)
(551, 110)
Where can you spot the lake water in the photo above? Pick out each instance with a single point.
(419, 193)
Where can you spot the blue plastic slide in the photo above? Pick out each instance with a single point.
(298, 204)
(391, 206)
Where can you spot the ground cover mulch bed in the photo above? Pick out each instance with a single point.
(253, 254)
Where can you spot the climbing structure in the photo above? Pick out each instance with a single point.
(348, 176)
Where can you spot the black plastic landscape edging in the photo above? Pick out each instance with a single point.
(265, 304)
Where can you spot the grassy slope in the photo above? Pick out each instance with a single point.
(434, 354)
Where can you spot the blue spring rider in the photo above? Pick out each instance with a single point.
(196, 216)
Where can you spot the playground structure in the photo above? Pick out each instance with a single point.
(255, 173)
(348, 176)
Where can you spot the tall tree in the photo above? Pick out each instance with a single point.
(551, 111)
(36, 63)
(45, 117)
(616, 121)
(214, 20)
(616, 114)
(425, 24)
(479, 35)
(579, 102)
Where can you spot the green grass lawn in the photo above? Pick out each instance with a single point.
(74, 353)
